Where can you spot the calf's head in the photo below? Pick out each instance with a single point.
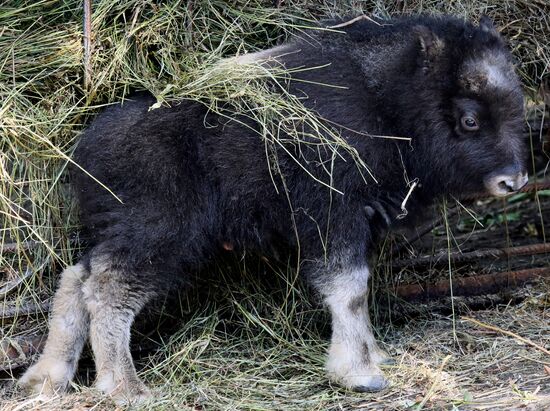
(480, 147)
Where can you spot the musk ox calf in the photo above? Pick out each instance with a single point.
(191, 182)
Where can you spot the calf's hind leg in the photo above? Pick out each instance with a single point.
(68, 331)
(113, 297)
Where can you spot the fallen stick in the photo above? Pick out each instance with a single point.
(87, 43)
(354, 20)
(436, 382)
(25, 310)
(18, 352)
(12, 285)
(427, 228)
(470, 286)
(528, 188)
(21, 351)
(397, 310)
(444, 256)
(508, 333)
(12, 248)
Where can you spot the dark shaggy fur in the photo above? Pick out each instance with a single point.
(186, 189)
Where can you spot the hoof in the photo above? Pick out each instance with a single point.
(355, 372)
(47, 377)
(123, 391)
(367, 379)
(388, 362)
(380, 357)
(377, 383)
(131, 396)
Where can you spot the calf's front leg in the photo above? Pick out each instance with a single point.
(354, 355)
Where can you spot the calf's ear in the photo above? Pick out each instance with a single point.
(486, 24)
(489, 31)
(431, 46)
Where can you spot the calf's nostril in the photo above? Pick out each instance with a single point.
(506, 185)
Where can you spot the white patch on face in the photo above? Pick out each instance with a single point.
(496, 77)
(490, 70)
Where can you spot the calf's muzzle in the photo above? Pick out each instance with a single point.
(506, 181)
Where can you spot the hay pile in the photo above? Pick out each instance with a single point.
(249, 348)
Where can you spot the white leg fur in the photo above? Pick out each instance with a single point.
(353, 356)
(113, 304)
(68, 330)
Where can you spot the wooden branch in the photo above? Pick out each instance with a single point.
(470, 286)
(21, 351)
(354, 20)
(427, 228)
(87, 43)
(25, 309)
(529, 188)
(443, 257)
(12, 285)
(189, 24)
(11, 248)
(18, 352)
(509, 333)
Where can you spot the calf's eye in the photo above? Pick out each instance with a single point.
(469, 123)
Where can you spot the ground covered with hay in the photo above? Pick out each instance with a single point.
(255, 338)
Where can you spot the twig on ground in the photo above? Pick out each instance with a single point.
(528, 188)
(87, 43)
(18, 352)
(354, 20)
(16, 247)
(26, 309)
(458, 256)
(404, 211)
(508, 333)
(432, 389)
(189, 24)
(11, 286)
(427, 228)
(470, 286)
